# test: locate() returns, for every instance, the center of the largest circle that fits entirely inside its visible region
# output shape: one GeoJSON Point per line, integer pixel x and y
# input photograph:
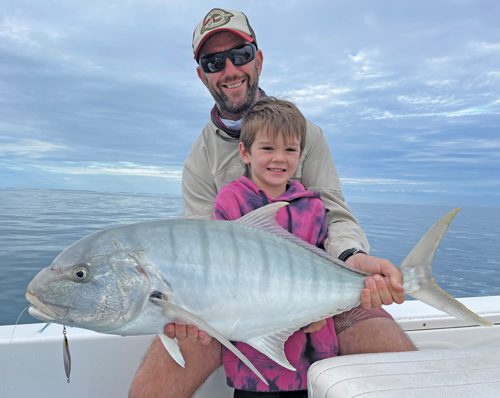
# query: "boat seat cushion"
{"type": "Point", "coordinates": [434, 373]}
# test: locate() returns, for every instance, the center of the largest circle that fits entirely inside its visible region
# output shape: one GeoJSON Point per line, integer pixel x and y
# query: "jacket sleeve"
{"type": "Point", "coordinates": [198, 186]}
{"type": "Point", "coordinates": [319, 174]}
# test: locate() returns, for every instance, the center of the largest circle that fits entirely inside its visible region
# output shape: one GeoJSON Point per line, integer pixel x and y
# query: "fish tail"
{"type": "Point", "coordinates": [419, 281]}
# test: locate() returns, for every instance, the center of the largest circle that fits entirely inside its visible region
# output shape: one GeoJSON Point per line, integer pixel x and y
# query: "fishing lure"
{"type": "Point", "coordinates": [66, 356]}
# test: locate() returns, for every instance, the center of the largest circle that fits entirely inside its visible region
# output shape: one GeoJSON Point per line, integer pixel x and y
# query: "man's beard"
{"type": "Point", "coordinates": [227, 107]}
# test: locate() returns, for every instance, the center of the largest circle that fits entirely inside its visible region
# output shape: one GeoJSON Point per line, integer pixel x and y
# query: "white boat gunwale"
{"type": "Point", "coordinates": [103, 365]}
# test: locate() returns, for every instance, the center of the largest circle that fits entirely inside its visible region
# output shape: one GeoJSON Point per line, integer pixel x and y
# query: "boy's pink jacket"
{"type": "Point", "coordinates": [305, 217]}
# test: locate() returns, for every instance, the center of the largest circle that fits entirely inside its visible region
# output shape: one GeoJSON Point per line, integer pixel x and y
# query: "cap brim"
{"type": "Point", "coordinates": [248, 38]}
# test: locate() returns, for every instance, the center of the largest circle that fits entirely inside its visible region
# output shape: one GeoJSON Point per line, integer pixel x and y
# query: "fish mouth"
{"type": "Point", "coordinates": [45, 312]}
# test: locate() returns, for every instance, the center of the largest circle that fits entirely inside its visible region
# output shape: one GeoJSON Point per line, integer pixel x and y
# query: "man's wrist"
{"type": "Point", "coordinates": [346, 254]}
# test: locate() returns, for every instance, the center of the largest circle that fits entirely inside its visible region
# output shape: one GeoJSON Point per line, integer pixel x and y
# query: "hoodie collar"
{"type": "Point", "coordinates": [294, 190]}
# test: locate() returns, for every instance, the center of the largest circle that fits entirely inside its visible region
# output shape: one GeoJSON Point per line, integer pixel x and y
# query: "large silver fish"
{"type": "Point", "coordinates": [247, 280]}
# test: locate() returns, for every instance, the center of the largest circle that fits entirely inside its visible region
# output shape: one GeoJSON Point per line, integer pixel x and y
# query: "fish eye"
{"type": "Point", "coordinates": [80, 273]}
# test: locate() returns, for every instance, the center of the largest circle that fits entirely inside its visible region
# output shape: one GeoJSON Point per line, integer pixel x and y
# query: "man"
{"type": "Point", "coordinates": [229, 65]}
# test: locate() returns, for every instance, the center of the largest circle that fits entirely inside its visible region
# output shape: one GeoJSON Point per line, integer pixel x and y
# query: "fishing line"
{"type": "Point", "coordinates": [11, 340]}
{"type": "Point", "coordinates": [17, 322]}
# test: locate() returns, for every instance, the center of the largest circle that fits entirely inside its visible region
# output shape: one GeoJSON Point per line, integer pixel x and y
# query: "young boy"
{"type": "Point", "coordinates": [272, 139]}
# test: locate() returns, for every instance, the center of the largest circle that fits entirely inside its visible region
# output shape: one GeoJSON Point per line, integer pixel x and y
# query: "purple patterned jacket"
{"type": "Point", "coordinates": [305, 217]}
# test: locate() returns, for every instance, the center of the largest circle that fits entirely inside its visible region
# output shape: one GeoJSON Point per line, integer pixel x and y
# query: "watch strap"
{"type": "Point", "coordinates": [348, 253]}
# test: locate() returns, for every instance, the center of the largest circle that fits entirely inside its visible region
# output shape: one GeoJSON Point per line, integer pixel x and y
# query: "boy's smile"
{"type": "Point", "coordinates": [272, 162]}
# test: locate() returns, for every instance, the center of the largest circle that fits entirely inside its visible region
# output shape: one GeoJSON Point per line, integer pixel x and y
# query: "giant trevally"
{"type": "Point", "coordinates": [246, 280]}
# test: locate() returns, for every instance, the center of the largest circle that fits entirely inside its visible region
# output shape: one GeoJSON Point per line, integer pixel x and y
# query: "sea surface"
{"type": "Point", "coordinates": [35, 225]}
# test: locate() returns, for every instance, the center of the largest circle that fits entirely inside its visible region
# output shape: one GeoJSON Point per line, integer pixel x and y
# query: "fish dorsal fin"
{"type": "Point", "coordinates": [273, 346]}
{"type": "Point", "coordinates": [264, 218]}
{"type": "Point", "coordinates": [180, 314]}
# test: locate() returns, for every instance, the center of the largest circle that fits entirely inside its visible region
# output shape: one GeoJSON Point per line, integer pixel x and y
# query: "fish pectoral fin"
{"type": "Point", "coordinates": [173, 349]}
{"type": "Point", "coordinates": [178, 313]}
{"type": "Point", "coordinates": [273, 346]}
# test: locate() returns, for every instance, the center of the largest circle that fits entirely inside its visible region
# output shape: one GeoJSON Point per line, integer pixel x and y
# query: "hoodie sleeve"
{"type": "Point", "coordinates": [226, 206]}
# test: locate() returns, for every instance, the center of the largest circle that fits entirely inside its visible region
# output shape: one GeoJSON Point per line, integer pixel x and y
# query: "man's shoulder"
{"type": "Point", "coordinates": [203, 145]}
{"type": "Point", "coordinates": [313, 130]}
{"type": "Point", "coordinates": [213, 139]}
{"type": "Point", "coordinates": [214, 156]}
{"type": "Point", "coordinates": [315, 139]}
{"type": "Point", "coordinates": [206, 135]}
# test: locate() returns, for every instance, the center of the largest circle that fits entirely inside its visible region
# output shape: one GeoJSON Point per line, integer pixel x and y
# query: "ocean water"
{"type": "Point", "coordinates": [35, 225]}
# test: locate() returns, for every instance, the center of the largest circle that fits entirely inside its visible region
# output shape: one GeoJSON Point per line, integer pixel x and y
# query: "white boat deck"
{"type": "Point", "coordinates": [102, 366]}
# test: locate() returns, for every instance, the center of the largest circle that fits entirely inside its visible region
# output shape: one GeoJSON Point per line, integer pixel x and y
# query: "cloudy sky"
{"type": "Point", "coordinates": [103, 95]}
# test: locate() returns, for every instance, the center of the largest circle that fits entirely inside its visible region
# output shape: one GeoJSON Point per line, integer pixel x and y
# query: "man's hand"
{"type": "Point", "coordinates": [384, 286]}
{"type": "Point", "coordinates": [187, 334]}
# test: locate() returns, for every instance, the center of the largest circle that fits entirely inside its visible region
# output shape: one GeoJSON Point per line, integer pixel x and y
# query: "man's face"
{"type": "Point", "coordinates": [235, 88]}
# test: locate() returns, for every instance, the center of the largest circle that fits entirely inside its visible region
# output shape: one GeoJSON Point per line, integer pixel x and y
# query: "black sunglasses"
{"type": "Point", "coordinates": [216, 62]}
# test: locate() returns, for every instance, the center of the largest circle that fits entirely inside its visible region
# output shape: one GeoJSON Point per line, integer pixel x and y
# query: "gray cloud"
{"type": "Point", "coordinates": [93, 94]}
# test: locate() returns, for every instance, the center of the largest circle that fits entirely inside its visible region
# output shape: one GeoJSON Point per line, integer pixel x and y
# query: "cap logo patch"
{"type": "Point", "coordinates": [215, 19]}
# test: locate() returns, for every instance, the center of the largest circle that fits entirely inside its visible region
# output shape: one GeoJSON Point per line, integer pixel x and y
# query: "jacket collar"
{"type": "Point", "coordinates": [232, 135]}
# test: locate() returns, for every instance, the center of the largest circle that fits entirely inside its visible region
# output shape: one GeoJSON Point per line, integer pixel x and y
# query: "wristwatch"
{"type": "Point", "coordinates": [348, 253]}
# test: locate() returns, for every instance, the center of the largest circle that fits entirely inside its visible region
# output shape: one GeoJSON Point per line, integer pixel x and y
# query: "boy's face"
{"type": "Point", "coordinates": [272, 162]}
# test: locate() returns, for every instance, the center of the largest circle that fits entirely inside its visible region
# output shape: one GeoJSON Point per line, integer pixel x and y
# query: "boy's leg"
{"type": "Point", "coordinates": [159, 376]}
{"type": "Point", "coordinates": [363, 331]}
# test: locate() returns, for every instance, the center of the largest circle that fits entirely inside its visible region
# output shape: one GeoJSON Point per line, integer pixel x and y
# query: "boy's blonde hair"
{"type": "Point", "coordinates": [275, 117]}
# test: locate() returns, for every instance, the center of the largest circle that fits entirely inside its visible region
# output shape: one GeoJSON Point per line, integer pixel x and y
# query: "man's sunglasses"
{"type": "Point", "coordinates": [216, 62]}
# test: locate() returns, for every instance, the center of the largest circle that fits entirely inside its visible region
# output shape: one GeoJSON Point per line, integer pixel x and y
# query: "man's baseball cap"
{"type": "Point", "coordinates": [218, 20]}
